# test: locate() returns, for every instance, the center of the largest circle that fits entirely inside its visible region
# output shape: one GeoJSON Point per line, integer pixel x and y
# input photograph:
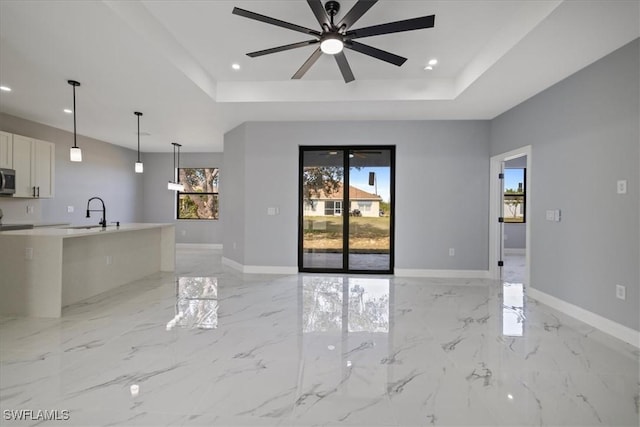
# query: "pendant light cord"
{"type": "Point", "coordinates": [175, 144]}
{"type": "Point", "coordinates": [74, 117]}
{"type": "Point", "coordinates": [138, 114]}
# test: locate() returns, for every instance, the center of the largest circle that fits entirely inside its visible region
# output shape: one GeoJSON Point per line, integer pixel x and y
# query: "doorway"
{"type": "Point", "coordinates": [510, 205]}
{"type": "Point", "coordinates": [346, 202]}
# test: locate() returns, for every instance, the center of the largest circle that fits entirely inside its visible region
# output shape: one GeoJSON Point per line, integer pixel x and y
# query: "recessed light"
{"type": "Point", "coordinates": [5, 88]}
{"type": "Point", "coordinates": [428, 67]}
{"type": "Point", "coordinates": [68, 111]}
{"type": "Point", "coordinates": [433, 61]}
{"type": "Point", "coordinates": [235, 66]}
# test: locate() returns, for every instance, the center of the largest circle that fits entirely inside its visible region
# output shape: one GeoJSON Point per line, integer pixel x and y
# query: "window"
{"type": "Point", "coordinates": [333, 208]}
{"type": "Point", "coordinates": [364, 206]}
{"type": "Point", "coordinates": [515, 197]}
{"type": "Point", "coordinates": [199, 200]}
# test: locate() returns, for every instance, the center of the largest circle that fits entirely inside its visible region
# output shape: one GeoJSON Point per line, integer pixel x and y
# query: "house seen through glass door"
{"type": "Point", "coordinates": [346, 209]}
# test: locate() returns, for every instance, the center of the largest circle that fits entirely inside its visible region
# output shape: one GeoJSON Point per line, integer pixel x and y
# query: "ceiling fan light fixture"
{"type": "Point", "coordinates": [331, 43]}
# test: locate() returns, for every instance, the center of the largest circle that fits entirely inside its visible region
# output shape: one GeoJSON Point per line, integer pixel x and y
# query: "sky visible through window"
{"type": "Point", "coordinates": [512, 177]}
{"type": "Point", "coordinates": [360, 179]}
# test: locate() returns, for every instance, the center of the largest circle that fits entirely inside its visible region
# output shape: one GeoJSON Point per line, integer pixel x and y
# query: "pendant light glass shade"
{"type": "Point", "coordinates": [139, 166]}
{"type": "Point", "coordinates": [175, 186]}
{"type": "Point", "coordinates": [75, 154]}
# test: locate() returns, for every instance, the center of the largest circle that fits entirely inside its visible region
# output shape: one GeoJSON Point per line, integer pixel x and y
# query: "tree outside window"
{"type": "Point", "coordinates": [199, 200]}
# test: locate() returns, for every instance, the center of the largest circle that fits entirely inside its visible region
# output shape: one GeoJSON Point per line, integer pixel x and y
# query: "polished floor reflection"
{"type": "Point", "coordinates": [208, 346]}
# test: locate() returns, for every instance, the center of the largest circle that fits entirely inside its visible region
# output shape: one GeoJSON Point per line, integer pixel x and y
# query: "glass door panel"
{"type": "Point", "coordinates": [370, 210]}
{"type": "Point", "coordinates": [322, 180]}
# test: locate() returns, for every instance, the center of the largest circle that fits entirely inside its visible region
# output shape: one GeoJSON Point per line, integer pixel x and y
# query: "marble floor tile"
{"type": "Point", "coordinates": [208, 346]}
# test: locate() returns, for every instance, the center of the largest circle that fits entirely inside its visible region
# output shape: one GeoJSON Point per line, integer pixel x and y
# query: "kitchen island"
{"type": "Point", "coordinates": [45, 269]}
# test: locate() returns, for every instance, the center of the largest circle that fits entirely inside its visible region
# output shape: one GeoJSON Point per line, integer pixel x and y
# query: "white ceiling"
{"type": "Point", "coordinates": [171, 60]}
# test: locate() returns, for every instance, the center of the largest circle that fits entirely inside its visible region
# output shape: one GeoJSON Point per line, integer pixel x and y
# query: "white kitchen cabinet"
{"type": "Point", "coordinates": [34, 162]}
{"type": "Point", "coordinates": [6, 150]}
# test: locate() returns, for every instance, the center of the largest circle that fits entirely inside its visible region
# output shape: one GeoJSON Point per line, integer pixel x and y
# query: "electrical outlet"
{"type": "Point", "coordinates": [29, 209]}
{"type": "Point", "coordinates": [621, 292]}
{"type": "Point", "coordinates": [28, 253]}
{"type": "Point", "coordinates": [109, 260]}
{"type": "Point", "coordinates": [452, 251]}
{"type": "Point", "coordinates": [622, 186]}
{"type": "Point", "coordinates": [70, 209]}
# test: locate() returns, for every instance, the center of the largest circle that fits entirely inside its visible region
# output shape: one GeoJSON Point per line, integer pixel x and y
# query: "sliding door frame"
{"type": "Point", "coordinates": [346, 149]}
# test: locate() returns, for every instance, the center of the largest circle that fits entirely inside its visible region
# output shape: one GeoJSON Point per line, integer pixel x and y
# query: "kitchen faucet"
{"type": "Point", "coordinates": [103, 221]}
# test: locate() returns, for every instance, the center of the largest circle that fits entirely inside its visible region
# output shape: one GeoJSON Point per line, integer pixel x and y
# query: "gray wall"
{"type": "Point", "coordinates": [442, 187]}
{"type": "Point", "coordinates": [515, 236]}
{"type": "Point", "coordinates": [106, 171]}
{"type": "Point", "coordinates": [232, 202]}
{"type": "Point", "coordinates": [584, 133]}
{"type": "Point", "coordinates": [159, 203]}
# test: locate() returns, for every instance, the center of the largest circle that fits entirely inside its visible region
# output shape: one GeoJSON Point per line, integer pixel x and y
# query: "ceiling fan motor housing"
{"type": "Point", "coordinates": [332, 7]}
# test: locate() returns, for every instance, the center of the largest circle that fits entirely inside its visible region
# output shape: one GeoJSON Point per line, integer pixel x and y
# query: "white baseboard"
{"type": "Point", "coordinates": [610, 327]}
{"type": "Point", "coordinates": [231, 263]}
{"type": "Point", "coordinates": [440, 274]}
{"type": "Point", "coordinates": [259, 269]}
{"type": "Point", "coordinates": [515, 251]}
{"type": "Point", "coordinates": [269, 269]}
{"type": "Point", "coordinates": [198, 245]}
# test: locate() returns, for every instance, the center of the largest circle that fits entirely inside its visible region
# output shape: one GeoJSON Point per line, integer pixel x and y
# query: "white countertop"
{"type": "Point", "coordinates": [81, 231]}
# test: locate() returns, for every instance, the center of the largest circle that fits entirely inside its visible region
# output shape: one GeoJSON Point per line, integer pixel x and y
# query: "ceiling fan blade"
{"type": "Point", "coordinates": [281, 48]}
{"type": "Point", "coordinates": [393, 27]}
{"type": "Point", "coordinates": [383, 55]}
{"type": "Point", "coordinates": [274, 21]}
{"type": "Point", "coordinates": [345, 69]}
{"type": "Point", "coordinates": [307, 64]}
{"type": "Point", "coordinates": [356, 12]}
{"type": "Point", "coordinates": [321, 14]}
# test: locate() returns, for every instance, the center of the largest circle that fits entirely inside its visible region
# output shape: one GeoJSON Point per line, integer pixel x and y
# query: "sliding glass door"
{"type": "Point", "coordinates": [346, 209]}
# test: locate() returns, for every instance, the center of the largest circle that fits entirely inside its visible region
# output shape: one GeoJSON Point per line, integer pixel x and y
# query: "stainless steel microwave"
{"type": "Point", "coordinates": [7, 182]}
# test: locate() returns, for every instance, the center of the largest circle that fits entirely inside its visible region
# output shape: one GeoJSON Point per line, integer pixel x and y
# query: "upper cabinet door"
{"type": "Point", "coordinates": [22, 164]}
{"type": "Point", "coordinates": [42, 165]}
{"type": "Point", "coordinates": [6, 150]}
{"type": "Point", "coordinates": [34, 162]}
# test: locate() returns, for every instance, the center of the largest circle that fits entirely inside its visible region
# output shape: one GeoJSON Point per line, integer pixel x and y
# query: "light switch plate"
{"type": "Point", "coordinates": [550, 215]}
{"type": "Point", "coordinates": [272, 211]}
{"type": "Point", "coordinates": [70, 209]}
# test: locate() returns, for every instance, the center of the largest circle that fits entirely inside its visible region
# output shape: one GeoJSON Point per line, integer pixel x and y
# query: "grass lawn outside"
{"type": "Point", "coordinates": [366, 234]}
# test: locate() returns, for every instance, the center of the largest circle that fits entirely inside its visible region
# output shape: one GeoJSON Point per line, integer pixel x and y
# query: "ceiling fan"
{"type": "Point", "coordinates": [335, 36]}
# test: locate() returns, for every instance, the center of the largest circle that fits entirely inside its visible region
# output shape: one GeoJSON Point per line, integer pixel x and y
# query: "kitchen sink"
{"type": "Point", "coordinates": [84, 227]}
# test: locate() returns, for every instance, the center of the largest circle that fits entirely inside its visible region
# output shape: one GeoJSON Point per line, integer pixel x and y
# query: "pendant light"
{"type": "Point", "coordinates": [175, 186]}
{"type": "Point", "coordinates": [139, 165]}
{"type": "Point", "coordinates": [75, 155]}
